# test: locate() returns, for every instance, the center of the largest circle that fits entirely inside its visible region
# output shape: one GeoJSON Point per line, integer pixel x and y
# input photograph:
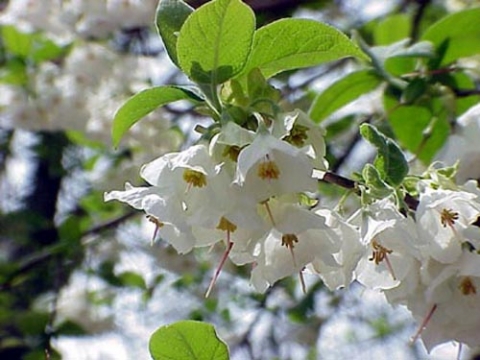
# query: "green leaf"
{"type": "Point", "coordinates": [144, 103]}
{"type": "Point", "coordinates": [30, 45]}
{"type": "Point", "coordinates": [459, 80]}
{"type": "Point", "coordinates": [420, 129]}
{"type": "Point", "coordinates": [376, 186]}
{"type": "Point", "coordinates": [171, 14]}
{"type": "Point", "coordinates": [343, 92]}
{"type": "Point", "coordinates": [390, 160]}
{"type": "Point", "coordinates": [187, 340]}
{"type": "Point", "coordinates": [456, 35]}
{"type": "Point", "coordinates": [289, 44]}
{"type": "Point", "coordinates": [132, 279]}
{"type": "Point", "coordinates": [392, 29]}
{"type": "Point", "coordinates": [14, 72]}
{"type": "Point", "coordinates": [16, 42]}
{"type": "Point", "coordinates": [215, 41]}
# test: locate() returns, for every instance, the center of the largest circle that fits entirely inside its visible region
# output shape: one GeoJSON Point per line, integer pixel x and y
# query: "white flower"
{"type": "Point", "coordinates": [442, 218]}
{"type": "Point", "coordinates": [297, 238]}
{"type": "Point", "coordinates": [299, 130]}
{"type": "Point", "coordinates": [270, 167]}
{"type": "Point", "coordinates": [462, 146]}
{"type": "Point", "coordinates": [392, 246]}
{"type": "Point", "coordinates": [449, 308]}
{"type": "Point", "coordinates": [167, 216]}
{"type": "Point", "coordinates": [340, 275]}
{"type": "Point", "coordinates": [180, 194]}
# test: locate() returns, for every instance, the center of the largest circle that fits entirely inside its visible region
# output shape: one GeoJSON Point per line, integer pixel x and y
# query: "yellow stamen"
{"type": "Point", "coordinates": [194, 178]}
{"type": "Point", "coordinates": [467, 287]}
{"type": "Point", "coordinates": [448, 217]}
{"type": "Point", "coordinates": [226, 225]}
{"type": "Point", "coordinates": [268, 170]}
{"type": "Point", "coordinates": [381, 253]}
{"type": "Point", "coordinates": [289, 241]}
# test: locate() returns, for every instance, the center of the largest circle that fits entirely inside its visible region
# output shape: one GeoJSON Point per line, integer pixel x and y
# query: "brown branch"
{"type": "Point", "coordinates": [417, 19]}
{"type": "Point", "coordinates": [466, 92]}
{"type": "Point", "coordinates": [110, 224]}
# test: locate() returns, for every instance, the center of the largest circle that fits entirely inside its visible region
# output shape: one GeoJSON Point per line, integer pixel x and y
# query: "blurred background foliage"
{"type": "Point", "coordinates": [79, 277]}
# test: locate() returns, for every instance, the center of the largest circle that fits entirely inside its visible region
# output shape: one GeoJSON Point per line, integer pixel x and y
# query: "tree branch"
{"type": "Point", "coordinates": [466, 92]}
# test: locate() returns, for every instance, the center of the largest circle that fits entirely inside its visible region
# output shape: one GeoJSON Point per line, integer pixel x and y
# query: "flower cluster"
{"type": "Point", "coordinates": [242, 190]}
{"type": "Point", "coordinates": [431, 265]}
{"type": "Point", "coordinates": [247, 190]}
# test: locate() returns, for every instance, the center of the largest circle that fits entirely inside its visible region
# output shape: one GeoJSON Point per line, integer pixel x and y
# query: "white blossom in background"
{"type": "Point", "coordinates": [462, 146]}
{"type": "Point", "coordinates": [67, 20]}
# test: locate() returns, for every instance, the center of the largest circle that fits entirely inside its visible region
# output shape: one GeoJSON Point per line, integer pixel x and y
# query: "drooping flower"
{"type": "Point", "coordinates": [271, 167]}
{"type": "Point", "coordinates": [392, 246]}
{"type": "Point", "coordinates": [341, 274]}
{"type": "Point", "coordinates": [442, 217]}
{"type": "Point", "coordinates": [448, 308]}
{"type": "Point", "coordinates": [297, 238]}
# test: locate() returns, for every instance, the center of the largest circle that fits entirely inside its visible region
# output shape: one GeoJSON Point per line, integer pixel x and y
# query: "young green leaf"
{"type": "Point", "coordinates": [289, 44]}
{"type": "Point", "coordinates": [390, 161]}
{"type": "Point", "coordinates": [144, 103]}
{"type": "Point", "coordinates": [456, 36]}
{"type": "Point", "coordinates": [187, 340]}
{"type": "Point", "coordinates": [215, 40]}
{"type": "Point", "coordinates": [343, 92]}
{"type": "Point", "coordinates": [171, 14]}
{"type": "Point", "coordinates": [376, 186]}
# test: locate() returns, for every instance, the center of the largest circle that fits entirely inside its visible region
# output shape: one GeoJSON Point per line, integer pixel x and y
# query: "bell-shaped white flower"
{"type": "Point", "coordinates": [299, 130]}
{"type": "Point", "coordinates": [449, 308]}
{"type": "Point", "coordinates": [340, 275]}
{"type": "Point", "coordinates": [167, 217]}
{"type": "Point", "coordinates": [271, 167]}
{"type": "Point", "coordinates": [442, 217]}
{"type": "Point", "coordinates": [392, 246]}
{"type": "Point", "coordinates": [297, 238]}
